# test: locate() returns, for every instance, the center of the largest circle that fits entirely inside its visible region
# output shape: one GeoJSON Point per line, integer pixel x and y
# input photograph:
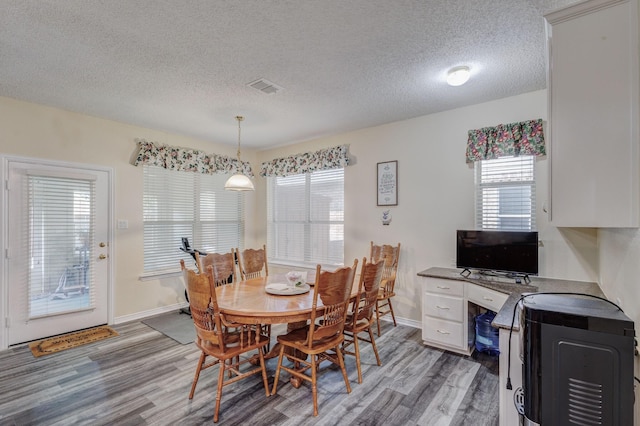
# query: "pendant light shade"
{"type": "Point", "coordinates": [239, 182]}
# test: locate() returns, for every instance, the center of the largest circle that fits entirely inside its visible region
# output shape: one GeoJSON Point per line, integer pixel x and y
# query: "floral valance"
{"type": "Point", "coordinates": [188, 160]}
{"type": "Point", "coordinates": [325, 159]}
{"type": "Point", "coordinates": [504, 140]}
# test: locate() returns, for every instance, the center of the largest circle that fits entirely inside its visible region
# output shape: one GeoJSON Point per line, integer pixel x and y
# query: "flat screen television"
{"type": "Point", "coordinates": [514, 252]}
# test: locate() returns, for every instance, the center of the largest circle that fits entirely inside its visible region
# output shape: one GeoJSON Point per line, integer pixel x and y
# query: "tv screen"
{"type": "Point", "coordinates": [500, 251]}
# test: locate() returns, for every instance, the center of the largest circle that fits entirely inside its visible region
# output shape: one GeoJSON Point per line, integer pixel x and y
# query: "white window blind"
{"type": "Point", "coordinates": [505, 193]}
{"type": "Point", "coordinates": [305, 218]}
{"type": "Point", "coordinates": [193, 205]}
{"type": "Point", "coordinates": [61, 223]}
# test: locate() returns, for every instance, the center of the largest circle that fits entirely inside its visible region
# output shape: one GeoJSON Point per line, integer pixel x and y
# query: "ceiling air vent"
{"type": "Point", "coordinates": [265, 86]}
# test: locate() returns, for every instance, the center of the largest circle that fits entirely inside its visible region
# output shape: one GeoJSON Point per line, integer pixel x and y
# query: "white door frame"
{"type": "Point", "coordinates": [4, 221]}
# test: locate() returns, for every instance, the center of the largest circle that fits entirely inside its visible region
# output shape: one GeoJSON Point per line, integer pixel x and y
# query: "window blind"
{"type": "Point", "coordinates": [192, 205]}
{"type": "Point", "coordinates": [305, 218]}
{"type": "Point", "coordinates": [505, 193]}
{"type": "Point", "coordinates": [61, 223]}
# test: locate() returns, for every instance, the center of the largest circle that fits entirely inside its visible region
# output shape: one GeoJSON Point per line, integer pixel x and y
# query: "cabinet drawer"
{"type": "Point", "coordinates": [445, 307]}
{"type": "Point", "coordinates": [485, 297]}
{"type": "Point", "coordinates": [449, 287]}
{"type": "Point", "coordinates": [442, 331]}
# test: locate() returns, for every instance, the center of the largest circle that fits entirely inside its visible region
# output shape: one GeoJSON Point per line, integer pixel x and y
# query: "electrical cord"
{"type": "Point", "coordinates": [513, 320]}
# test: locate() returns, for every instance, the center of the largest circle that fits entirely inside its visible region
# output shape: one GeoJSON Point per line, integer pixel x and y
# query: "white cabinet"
{"type": "Point", "coordinates": [508, 413]}
{"type": "Point", "coordinates": [593, 114]}
{"type": "Point", "coordinates": [485, 297]}
{"type": "Point", "coordinates": [444, 315]}
{"type": "Point", "coordinates": [448, 311]}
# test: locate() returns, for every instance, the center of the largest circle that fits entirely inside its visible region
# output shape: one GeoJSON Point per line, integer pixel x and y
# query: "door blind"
{"type": "Point", "coordinates": [60, 228]}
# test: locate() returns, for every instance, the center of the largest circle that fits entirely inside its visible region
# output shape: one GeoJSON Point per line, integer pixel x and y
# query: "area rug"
{"type": "Point", "coordinates": [71, 340]}
{"type": "Point", "coordinates": [175, 325]}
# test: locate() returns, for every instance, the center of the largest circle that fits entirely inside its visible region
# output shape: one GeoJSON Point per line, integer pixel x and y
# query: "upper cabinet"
{"type": "Point", "coordinates": [593, 114]}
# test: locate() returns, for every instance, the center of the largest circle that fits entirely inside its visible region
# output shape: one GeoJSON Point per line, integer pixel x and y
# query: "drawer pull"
{"type": "Point", "coordinates": [446, 308]}
{"type": "Point", "coordinates": [442, 331]}
{"type": "Point", "coordinates": [444, 288]}
{"type": "Point", "coordinates": [487, 298]}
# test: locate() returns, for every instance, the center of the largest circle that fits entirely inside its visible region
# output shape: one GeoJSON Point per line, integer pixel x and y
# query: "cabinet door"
{"type": "Point", "coordinates": [485, 297]}
{"type": "Point", "coordinates": [593, 114]}
{"type": "Point", "coordinates": [448, 333]}
{"type": "Point", "coordinates": [445, 307]}
{"type": "Point", "coordinates": [448, 287]}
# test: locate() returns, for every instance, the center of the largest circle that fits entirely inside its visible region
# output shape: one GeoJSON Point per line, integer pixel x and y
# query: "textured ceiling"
{"type": "Point", "coordinates": [183, 66]}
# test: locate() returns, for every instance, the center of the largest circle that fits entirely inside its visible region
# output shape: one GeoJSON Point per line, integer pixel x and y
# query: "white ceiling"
{"type": "Point", "coordinates": [183, 66]}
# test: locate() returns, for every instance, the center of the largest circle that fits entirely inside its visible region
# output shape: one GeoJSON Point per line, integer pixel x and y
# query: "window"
{"type": "Point", "coordinates": [505, 193]}
{"type": "Point", "coordinates": [193, 205]}
{"type": "Point", "coordinates": [305, 218]}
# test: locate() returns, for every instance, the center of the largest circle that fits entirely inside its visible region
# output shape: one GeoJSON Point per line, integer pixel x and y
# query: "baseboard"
{"type": "Point", "coordinates": [177, 306]}
{"type": "Point", "coordinates": [152, 312]}
{"type": "Point", "coordinates": [403, 321]}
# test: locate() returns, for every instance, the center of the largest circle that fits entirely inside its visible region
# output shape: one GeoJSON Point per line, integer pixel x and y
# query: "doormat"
{"type": "Point", "coordinates": [71, 340]}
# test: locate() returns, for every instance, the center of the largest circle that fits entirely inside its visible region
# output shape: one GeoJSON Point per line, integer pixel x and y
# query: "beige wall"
{"type": "Point", "coordinates": [435, 191]}
{"type": "Point", "coordinates": [436, 194]}
{"type": "Point", "coordinates": [31, 130]}
{"type": "Point", "coordinates": [620, 277]}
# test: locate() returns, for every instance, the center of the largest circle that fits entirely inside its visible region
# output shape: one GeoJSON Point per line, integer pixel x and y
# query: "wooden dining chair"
{"type": "Point", "coordinates": [223, 266]}
{"type": "Point", "coordinates": [253, 263]}
{"type": "Point", "coordinates": [331, 295]}
{"type": "Point", "coordinates": [214, 340]}
{"type": "Point", "coordinates": [360, 316]}
{"type": "Point", "coordinates": [391, 256]}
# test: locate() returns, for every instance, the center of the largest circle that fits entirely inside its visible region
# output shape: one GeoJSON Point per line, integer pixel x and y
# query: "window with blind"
{"type": "Point", "coordinates": [505, 193]}
{"type": "Point", "coordinates": [193, 205]}
{"type": "Point", "coordinates": [305, 218]}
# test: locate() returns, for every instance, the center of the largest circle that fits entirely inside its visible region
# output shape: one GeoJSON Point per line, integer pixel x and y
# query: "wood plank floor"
{"type": "Point", "coordinates": [143, 377]}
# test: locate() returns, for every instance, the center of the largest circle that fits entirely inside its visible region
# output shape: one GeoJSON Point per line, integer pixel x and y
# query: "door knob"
{"type": "Point", "coordinates": [102, 244]}
{"type": "Point", "coordinates": [102, 256]}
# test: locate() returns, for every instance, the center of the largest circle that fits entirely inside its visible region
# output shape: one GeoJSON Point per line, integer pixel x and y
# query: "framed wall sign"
{"type": "Point", "coordinates": [388, 183]}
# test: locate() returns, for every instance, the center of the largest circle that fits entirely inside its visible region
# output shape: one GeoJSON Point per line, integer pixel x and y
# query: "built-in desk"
{"type": "Point", "coordinates": [450, 301]}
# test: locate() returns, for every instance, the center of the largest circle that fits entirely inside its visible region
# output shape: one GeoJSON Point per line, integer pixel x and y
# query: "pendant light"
{"type": "Point", "coordinates": [239, 182]}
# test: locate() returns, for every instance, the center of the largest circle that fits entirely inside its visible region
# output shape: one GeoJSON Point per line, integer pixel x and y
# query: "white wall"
{"type": "Point", "coordinates": [436, 194]}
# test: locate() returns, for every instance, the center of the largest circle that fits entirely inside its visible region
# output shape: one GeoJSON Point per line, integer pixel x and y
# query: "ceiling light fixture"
{"type": "Point", "coordinates": [458, 76]}
{"type": "Point", "coordinates": [239, 182]}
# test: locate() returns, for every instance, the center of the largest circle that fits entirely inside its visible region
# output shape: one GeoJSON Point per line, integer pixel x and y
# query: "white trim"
{"type": "Point", "coordinates": [403, 321]}
{"type": "Point", "coordinates": [138, 316]}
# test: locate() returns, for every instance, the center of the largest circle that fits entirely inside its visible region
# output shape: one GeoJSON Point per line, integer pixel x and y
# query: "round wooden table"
{"type": "Point", "coordinates": [247, 302]}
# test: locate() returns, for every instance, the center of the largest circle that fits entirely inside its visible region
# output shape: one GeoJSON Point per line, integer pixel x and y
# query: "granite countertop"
{"type": "Point", "coordinates": [504, 317]}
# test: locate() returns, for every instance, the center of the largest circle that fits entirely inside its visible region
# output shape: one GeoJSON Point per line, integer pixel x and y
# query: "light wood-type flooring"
{"type": "Point", "coordinates": [143, 377]}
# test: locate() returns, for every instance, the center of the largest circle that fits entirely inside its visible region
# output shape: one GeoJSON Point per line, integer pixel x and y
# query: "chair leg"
{"type": "Point", "coordinates": [378, 316]}
{"type": "Point", "coordinates": [277, 376]}
{"type": "Point", "coordinates": [392, 314]}
{"type": "Point", "coordinates": [356, 347]}
{"type": "Point", "coordinates": [314, 384]}
{"type": "Point", "coordinates": [203, 356]}
{"type": "Point", "coordinates": [221, 365]}
{"type": "Point", "coordinates": [343, 368]}
{"type": "Point", "coordinates": [264, 373]}
{"type": "Point", "coordinates": [373, 343]}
